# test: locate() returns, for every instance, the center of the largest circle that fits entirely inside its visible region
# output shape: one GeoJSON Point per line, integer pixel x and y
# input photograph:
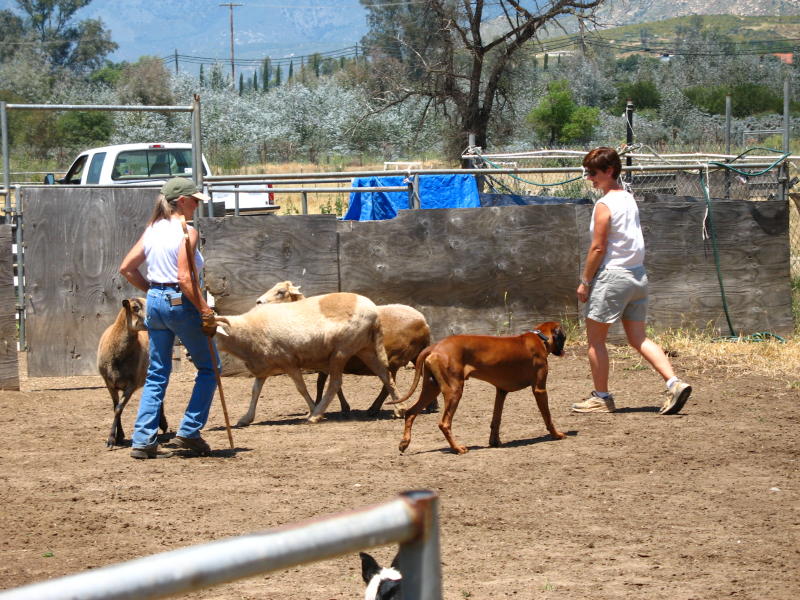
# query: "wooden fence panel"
{"type": "Point", "coordinates": [245, 256]}
{"type": "Point", "coordinates": [484, 270]}
{"type": "Point", "coordinates": [9, 365]}
{"type": "Point", "coordinates": [75, 241]}
{"type": "Point", "coordinates": [488, 271]}
{"type": "Point", "coordinates": [752, 242]}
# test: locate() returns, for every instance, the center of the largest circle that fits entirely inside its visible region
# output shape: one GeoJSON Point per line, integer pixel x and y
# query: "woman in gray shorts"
{"type": "Point", "coordinates": [614, 286]}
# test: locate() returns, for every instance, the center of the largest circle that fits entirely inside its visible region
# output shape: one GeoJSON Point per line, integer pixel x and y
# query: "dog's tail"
{"type": "Point", "coordinates": [418, 366]}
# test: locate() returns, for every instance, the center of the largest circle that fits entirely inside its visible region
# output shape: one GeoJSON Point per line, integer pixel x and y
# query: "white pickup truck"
{"type": "Point", "coordinates": [127, 164]}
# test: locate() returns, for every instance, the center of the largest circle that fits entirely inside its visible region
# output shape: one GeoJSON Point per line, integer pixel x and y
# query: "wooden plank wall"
{"type": "Point", "coordinates": [485, 270]}
{"type": "Point", "coordinates": [490, 270]}
{"type": "Point", "coordinates": [9, 365]}
{"type": "Point", "coordinates": [75, 241]}
{"type": "Point", "coordinates": [753, 246]}
{"type": "Point", "coordinates": [245, 256]}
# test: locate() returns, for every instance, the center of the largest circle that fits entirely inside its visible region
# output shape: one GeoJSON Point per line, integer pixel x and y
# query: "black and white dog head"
{"type": "Point", "coordinates": [383, 583]}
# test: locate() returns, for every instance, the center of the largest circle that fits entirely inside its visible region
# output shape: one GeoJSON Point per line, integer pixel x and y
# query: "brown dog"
{"type": "Point", "coordinates": [508, 363]}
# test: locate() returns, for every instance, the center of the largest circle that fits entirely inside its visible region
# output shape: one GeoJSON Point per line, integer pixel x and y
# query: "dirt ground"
{"type": "Point", "coordinates": [699, 505]}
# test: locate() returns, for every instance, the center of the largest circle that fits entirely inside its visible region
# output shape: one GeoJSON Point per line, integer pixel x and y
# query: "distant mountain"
{"type": "Point", "coordinates": [615, 13]}
{"type": "Point", "coordinates": [626, 12]}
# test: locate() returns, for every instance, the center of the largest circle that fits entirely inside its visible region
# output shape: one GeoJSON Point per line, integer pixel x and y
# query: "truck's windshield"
{"type": "Point", "coordinates": [155, 163]}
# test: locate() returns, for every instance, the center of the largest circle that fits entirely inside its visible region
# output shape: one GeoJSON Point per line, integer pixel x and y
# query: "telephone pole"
{"type": "Point", "coordinates": [231, 6]}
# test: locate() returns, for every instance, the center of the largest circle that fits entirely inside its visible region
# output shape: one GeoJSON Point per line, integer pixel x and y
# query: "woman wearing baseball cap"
{"type": "Point", "coordinates": [175, 307]}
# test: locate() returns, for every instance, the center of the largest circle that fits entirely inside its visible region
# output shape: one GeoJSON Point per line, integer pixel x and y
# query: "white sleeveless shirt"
{"type": "Point", "coordinates": [625, 247]}
{"type": "Point", "coordinates": [162, 240]}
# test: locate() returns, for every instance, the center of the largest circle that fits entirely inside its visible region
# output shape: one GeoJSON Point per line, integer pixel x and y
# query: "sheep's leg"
{"type": "Point", "coordinates": [381, 370]}
{"type": "Point", "coordinates": [334, 385]}
{"type": "Point", "coordinates": [117, 436]}
{"type": "Point", "coordinates": [297, 378]}
{"type": "Point", "coordinates": [162, 419]}
{"type": "Point", "coordinates": [376, 405]}
{"type": "Point", "coordinates": [248, 417]}
{"type": "Point", "coordinates": [321, 379]}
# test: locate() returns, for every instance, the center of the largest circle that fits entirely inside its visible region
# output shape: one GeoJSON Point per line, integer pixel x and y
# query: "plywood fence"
{"type": "Point", "coordinates": [9, 369]}
{"type": "Point", "coordinates": [484, 270]}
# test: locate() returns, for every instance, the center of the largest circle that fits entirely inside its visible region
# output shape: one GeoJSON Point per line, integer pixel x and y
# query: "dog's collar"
{"type": "Point", "coordinates": [540, 334]}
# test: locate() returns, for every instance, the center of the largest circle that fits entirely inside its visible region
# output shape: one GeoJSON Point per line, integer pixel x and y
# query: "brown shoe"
{"type": "Point", "coordinates": [151, 452]}
{"type": "Point", "coordinates": [196, 444]}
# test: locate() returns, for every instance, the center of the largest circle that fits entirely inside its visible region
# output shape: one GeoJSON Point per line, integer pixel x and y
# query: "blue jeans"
{"type": "Point", "coordinates": [164, 321]}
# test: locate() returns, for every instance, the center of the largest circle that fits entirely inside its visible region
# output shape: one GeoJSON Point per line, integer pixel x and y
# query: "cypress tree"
{"type": "Point", "coordinates": [266, 73]}
{"type": "Point", "coordinates": [277, 76]}
{"type": "Point", "coordinates": [291, 71]}
{"type": "Point", "coordinates": [202, 78]}
{"type": "Point", "coordinates": [255, 81]}
{"type": "Point", "coordinates": [241, 83]}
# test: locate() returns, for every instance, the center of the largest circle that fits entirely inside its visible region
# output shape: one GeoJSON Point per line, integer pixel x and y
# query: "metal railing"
{"type": "Point", "coordinates": [194, 109]}
{"type": "Point", "coordinates": [411, 520]}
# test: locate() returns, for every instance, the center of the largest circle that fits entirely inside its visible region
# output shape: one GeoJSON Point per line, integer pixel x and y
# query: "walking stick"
{"type": "Point", "coordinates": [196, 285]}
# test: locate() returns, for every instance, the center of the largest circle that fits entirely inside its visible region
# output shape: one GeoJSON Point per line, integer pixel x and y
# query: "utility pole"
{"type": "Point", "coordinates": [231, 6]}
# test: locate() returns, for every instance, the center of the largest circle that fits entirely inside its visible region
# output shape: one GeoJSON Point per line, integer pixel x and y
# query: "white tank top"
{"type": "Point", "coordinates": [625, 248]}
{"type": "Point", "coordinates": [161, 242]}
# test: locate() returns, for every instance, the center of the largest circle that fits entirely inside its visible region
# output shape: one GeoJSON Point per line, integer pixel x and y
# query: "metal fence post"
{"type": "Point", "coordinates": [304, 202]}
{"type": "Point", "coordinates": [629, 135]}
{"type": "Point", "coordinates": [6, 161]}
{"type": "Point", "coordinates": [23, 344]}
{"type": "Point", "coordinates": [197, 153]}
{"type": "Point", "coordinates": [419, 559]}
{"type": "Point", "coordinates": [728, 113]}
{"type": "Point", "coordinates": [784, 170]}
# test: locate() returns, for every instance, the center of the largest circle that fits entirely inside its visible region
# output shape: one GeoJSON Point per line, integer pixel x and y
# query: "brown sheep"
{"type": "Point", "coordinates": [122, 359]}
{"type": "Point", "coordinates": [405, 334]}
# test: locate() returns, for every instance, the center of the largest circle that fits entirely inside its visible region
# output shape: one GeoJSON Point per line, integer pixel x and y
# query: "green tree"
{"type": "Point", "coordinates": [81, 129]}
{"type": "Point", "coordinates": [147, 81]}
{"type": "Point", "coordinates": [77, 45]}
{"type": "Point", "coordinates": [644, 94]}
{"type": "Point", "coordinates": [291, 71]}
{"type": "Point", "coordinates": [278, 76]}
{"type": "Point", "coordinates": [558, 119]}
{"type": "Point", "coordinates": [746, 99]}
{"type": "Point", "coordinates": [266, 72]}
{"type": "Point", "coordinates": [11, 33]}
{"type": "Point", "coordinates": [438, 51]}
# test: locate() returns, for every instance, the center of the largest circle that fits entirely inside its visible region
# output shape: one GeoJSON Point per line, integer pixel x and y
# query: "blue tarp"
{"type": "Point", "coordinates": [435, 191]}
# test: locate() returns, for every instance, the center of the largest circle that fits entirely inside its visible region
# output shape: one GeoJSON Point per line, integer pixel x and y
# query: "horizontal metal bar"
{"type": "Point", "coordinates": [301, 176]}
{"type": "Point", "coordinates": [124, 107]}
{"type": "Point", "coordinates": [223, 180]}
{"type": "Point", "coordinates": [334, 190]}
{"type": "Point", "coordinates": [197, 567]}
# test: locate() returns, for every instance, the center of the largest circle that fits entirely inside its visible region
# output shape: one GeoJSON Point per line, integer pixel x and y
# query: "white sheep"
{"type": "Point", "coordinates": [319, 334]}
{"type": "Point", "coordinates": [122, 359]}
{"type": "Point", "coordinates": [405, 335]}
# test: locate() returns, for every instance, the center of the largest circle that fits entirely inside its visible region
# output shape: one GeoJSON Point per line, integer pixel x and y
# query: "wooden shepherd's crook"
{"type": "Point", "coordinates": [198, 291]}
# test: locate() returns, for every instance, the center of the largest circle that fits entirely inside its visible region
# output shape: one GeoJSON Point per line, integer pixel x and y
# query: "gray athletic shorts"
{"type": "Point", "coordinates": [618, 293]}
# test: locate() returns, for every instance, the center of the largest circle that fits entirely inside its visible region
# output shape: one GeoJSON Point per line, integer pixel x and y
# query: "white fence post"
{"type": "Point", "coordinates": [407, 520]}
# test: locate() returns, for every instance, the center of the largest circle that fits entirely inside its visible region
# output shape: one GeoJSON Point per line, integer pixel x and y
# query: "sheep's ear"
{"type": "Point", "coordinates": [396, 561]}
{"type": "Point", "coordinates": [221, 331]}
{"type": "Point", "coordinates": [295, 289]}
{"type": "Point", "coordinates": [369, 567]}
{"type": "Point", "coordinates": [127, 304]}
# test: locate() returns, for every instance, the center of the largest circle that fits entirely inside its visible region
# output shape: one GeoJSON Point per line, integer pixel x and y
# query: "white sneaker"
{"type": "Point", "coordinates": [595, 404]}
{"type": "Point", "coordinates": [677, 395]}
